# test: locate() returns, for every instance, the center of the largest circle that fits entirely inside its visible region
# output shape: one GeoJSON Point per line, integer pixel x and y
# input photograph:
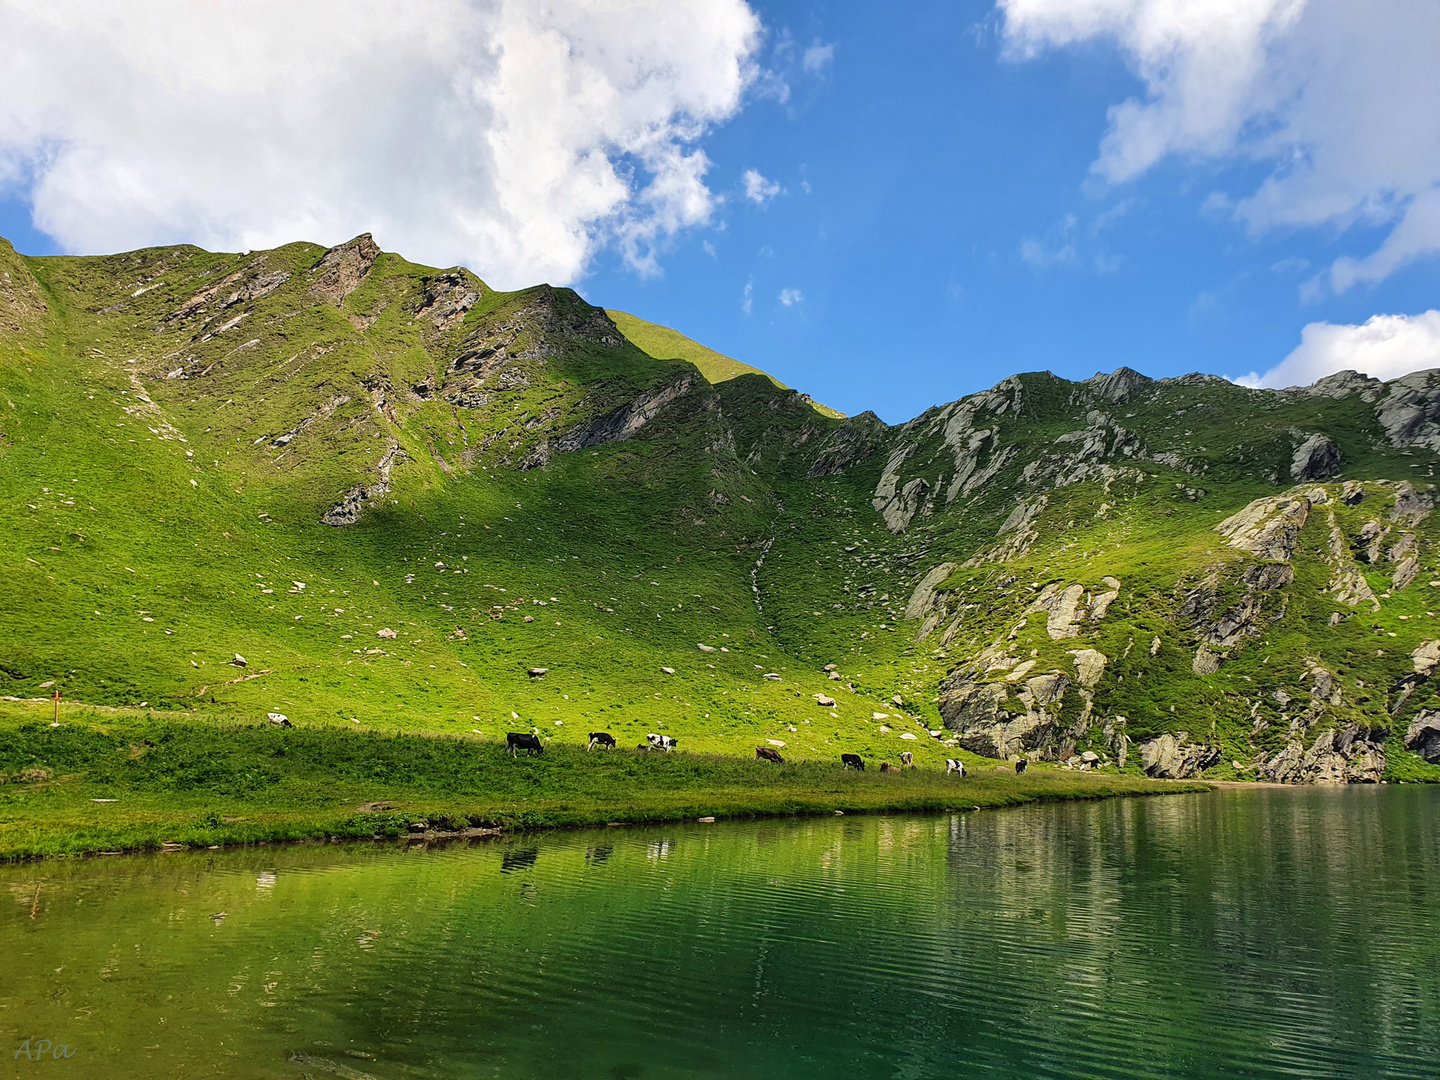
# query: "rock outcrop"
{"type": "Point", "coordinates": [1317, 458]}
{"type": "Point", "coordinates": [1410, 411]}
{"type": "Point", "coordinates": [1348, 755]}
{"type": "Point", "coordinates": [1171, 757]}
{"type": "Point", "coordinates": [1423, 735]}
{"type": "Point", "coordinates": [1068, 609]}
{"type": "Point", "coordinates": [341, 269]}
{"type": "Point", "coordinates": [1267, 527]}
{"type": "Point", "coordinates": [627, 420]}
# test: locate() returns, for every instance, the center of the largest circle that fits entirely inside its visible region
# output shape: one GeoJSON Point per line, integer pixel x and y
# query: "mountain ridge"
{"type": "Point", "coordinates": [1045, 568]}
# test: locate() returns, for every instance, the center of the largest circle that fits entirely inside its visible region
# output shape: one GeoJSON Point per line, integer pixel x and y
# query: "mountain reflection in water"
{"type": "Point", "coordinates": [1249, 933]}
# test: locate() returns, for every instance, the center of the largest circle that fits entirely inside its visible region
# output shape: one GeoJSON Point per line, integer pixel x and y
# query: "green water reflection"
{"type": "Point", "coordinates": [1245, 933]}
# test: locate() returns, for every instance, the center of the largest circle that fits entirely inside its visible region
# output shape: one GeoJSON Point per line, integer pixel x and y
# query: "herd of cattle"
{"type": "Point", "coordinates": [515, 741]}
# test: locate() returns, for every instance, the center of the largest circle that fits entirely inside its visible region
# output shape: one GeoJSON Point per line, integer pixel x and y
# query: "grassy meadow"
{"type": "Point", "coordinates": [117, 781]}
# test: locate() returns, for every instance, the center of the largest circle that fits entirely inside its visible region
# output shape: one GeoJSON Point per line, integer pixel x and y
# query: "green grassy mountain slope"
{"type": "Point", "coordinates": [660, 341]}
{"type": "Point", "coordinates": [371, 494]}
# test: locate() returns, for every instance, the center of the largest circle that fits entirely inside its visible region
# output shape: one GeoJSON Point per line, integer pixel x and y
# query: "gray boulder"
{"type": "Point", "coordinates": [1423, 735]}
{"type": "Point", "coordinates": [1317, 458]}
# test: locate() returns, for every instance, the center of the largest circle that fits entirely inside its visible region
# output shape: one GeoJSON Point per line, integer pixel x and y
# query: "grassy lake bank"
{"type": "Point", "coordinates": [107, 782]}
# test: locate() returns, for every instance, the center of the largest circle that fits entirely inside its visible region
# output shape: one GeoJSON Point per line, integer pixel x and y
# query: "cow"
{"type": "Point", "coordinates": [279, 719]}
{"type": "Point", "coordinates": [769, 753]}
{"type": "Point", "coordinates": [907, 759]}
{"type": "Point", "coordinates": [885, 766]}
{"type": "Point", "coordinates": [1020, 767]}
{"type": "Point", "coordinates": [852, 761]}
{"type": "Point", "coordinates": [954, 765]}
{"type": "Point", "coordinates": [523, 740]}
{"type": "Point", "coordinates": [662, 742]}
{"type": "Point", "coordinates": [601, 738]}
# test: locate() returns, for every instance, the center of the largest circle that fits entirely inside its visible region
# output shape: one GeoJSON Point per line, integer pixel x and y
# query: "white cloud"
{"type": "Point", "coordinates": [518, 138]}
{"type": "Point", "coordinates": [757, 189]}
{"type": "Point", "coordinates": [748, 304]}
{"type": "Point", "coordinates": [1060, 245]}
{"type": "Point", "coordinates": [1384, 347]}
{"type": "Point", "coordinates": [816, 57]}
{"type": "Point", "coordinates": [790, 297]}
{"type": "Point", "coordinates": [1342, 100]}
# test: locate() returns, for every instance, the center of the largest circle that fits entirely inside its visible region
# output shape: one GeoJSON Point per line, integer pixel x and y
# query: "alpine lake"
{"type": "Point", "coordinates": [1240, 933]}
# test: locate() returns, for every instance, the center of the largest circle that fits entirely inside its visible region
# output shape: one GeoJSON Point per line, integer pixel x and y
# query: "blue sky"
{"type": "Point", "coordinates": [940, 206]}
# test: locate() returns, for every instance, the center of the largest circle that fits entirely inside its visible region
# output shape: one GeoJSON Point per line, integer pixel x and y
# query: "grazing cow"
{"type": "Point", "coordinates": [906, 758]}
{"type": "Point", "coordinates": [279, 719]}
{"type": "Point", "coordinates": [601, 738]}
{"type": "Point", "coordinates": [852, 761]}
{"type": "Point", "coordinates": [523, 740]}
{"type": "Point", "coordinates": [885, 766]}
{"type": "Point", "coordinates": [662, 742]}
{"type": "Point", "coordinates": [954, 765]}
{"type": "Point", "coordinates": [1020, 767]}
{"type": "Point", "coordinates": [769, 753]}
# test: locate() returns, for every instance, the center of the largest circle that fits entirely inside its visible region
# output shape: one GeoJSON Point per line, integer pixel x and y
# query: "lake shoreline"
{"type": "Point", "coordinates": [73, 839]}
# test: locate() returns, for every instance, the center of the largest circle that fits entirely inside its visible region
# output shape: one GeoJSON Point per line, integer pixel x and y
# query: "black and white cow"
{"type": "Point", "coordinates": [954, 765]}
{"type": "Point", "coordinates": [523, 740]}
{"type": "Point", "coordinates": [1020, 767]}
{"type": "Point", "coordinates": [852, 761]}
{"type": "Point", "coordinates": [907, 759]}
{"type": "Point", "coordinates": [662, 742]}
{"type": "Point", "coordinates": [601, 738]}
{"type": "Point", "coordinates": [769, 753]}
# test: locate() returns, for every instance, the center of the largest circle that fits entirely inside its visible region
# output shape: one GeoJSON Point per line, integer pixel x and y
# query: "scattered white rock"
{"type": "Point", "coordinates": [825, 700]}
{"type": "Point", "coordinates": [668, 670]}
{"type": "Point", "coordinates": [775, 742]}
{"type": "Point", "coordinates": [908, 735]}
{"type": "Point", "coordinates": [879, 716]}
{"type": "Point", "coordinates": [706, 648]}
{"type": "Point", "coordinates": [386, 633]}
{"type": "Point", "coordinates": [239, 660]}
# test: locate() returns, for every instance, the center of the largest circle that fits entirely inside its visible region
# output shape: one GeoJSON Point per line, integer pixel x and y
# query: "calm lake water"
{"type": "Point", "coordinates": [1240, 934]}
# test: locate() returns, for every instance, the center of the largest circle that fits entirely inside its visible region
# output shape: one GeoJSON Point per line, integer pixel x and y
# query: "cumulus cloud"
{"type": "Point", "coordinates": [757, 189]}
{"type": "Point", "coordinates": [518, 138]}
{"type": "Point", "coordinates": [1384, 347]}
{"type": "Point", "coordinates": [1341, 100]}
{"type": "Point", "coordinates": [790, 297]}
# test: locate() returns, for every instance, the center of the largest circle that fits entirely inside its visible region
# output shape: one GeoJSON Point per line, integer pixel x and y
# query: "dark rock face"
{"type": "Point", "coordinates": [857, 438]}
{"type": "Point", "coordinates": [1423, 735]}
{"type": "Point", "coordinates": [1317, 458]}
{"type": "Point", "coordinates": [627, 420]}
{"type": "Point", "coordinates": [1120, 385]}
{"type": "Point", "coordinates": [1170, 757]}
{"type": "Point", "coordinates": [1410, 411]}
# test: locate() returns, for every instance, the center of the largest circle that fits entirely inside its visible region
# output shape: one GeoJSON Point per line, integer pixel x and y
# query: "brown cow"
{"type": "Point", "coordinates": [769, 753]}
